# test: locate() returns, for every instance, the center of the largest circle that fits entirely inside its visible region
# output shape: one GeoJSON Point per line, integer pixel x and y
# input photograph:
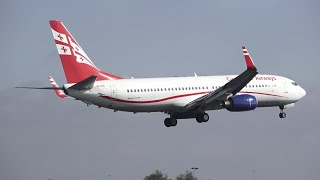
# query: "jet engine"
{"type": "Point", "coordinates": [243, 102]}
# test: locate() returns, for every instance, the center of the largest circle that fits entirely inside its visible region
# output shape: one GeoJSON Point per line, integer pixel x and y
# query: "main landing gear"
{"type": "Point", "coordinates": [203, 117]}
{"type": "Point", "coordinates": [172, 121]}
{"type": "Point", "coordinates": [282, 114]}
{"type": "Point", "coordinates": [168, 122]}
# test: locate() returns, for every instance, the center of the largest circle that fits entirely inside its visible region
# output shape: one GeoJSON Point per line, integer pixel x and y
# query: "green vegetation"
{"type": "Point", "coordinates": [158, 175]}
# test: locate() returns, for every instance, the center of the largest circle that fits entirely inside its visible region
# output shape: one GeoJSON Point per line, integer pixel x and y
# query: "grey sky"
{"type": "Point", "coordinates": [44, 137]}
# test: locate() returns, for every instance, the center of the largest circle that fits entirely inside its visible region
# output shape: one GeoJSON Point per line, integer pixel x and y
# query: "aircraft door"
{"type": "Point", "coordinates": [113, 92]}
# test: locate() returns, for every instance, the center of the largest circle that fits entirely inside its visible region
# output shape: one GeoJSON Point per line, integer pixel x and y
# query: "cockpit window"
{"type": "Point", "coordinates": [294, 83]}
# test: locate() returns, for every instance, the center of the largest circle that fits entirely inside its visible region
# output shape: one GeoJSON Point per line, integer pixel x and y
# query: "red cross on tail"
{"type": "Point", "coordinates": [60, 37]}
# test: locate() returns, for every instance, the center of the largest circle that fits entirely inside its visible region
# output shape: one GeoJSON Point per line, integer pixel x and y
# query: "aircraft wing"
{"type": "Point", "coordinates": [229, 89]}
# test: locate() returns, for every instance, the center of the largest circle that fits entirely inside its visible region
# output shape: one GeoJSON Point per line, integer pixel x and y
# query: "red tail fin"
{"type": "Point", "coordinates": [76, 64]}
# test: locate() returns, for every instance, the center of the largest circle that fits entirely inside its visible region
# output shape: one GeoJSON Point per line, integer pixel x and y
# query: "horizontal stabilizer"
{"type": "Point", "coordinates": [58, 90]}
{"type": "Point", "coordinates": [49, 88]}
{"type": "Point", "coordinates": [85, 84]}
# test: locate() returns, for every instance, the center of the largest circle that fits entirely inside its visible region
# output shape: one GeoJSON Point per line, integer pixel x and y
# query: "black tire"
{"type": "Point", "coordinates": [283, 115]}
{"type": "Point", "coordinates": [199, 118]}
{"type": "Point", "coordinates": [167, 122]}
{"type": "Point", "coordinates": [205, 117]}
{"type": "Point", "coordinates": [173, 121]}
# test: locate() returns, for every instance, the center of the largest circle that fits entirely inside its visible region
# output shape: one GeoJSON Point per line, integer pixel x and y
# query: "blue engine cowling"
{"type": "Point", "coordinates": [243, 102]}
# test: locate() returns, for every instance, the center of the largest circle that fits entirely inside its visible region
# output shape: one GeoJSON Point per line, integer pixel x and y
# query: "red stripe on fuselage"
{"type": "Point", "coordinates": [152, 101]}
{"type": "Point", "coordinates": [266, 94]}
{"type": "Point", "coordinates": [175, 97]}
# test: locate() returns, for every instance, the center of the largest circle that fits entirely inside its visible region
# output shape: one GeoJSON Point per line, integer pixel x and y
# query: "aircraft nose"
{"type": "Point", "coordinates": [303, 92]}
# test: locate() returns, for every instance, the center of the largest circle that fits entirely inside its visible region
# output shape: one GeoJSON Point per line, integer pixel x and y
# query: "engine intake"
{"type": "Point", "coordinates": [243, 102]}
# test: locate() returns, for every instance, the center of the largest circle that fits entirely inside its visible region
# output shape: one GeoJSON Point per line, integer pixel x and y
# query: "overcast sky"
{"type": "Point", "coordinates": [42, 136]}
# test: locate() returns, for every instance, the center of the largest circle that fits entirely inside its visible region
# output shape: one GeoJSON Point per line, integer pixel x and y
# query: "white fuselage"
{"type": "Point", "coordinates": [173, 93]}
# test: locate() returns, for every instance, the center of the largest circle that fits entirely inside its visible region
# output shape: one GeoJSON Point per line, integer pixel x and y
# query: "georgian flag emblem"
{"type": "Point", "coordinates": [63, 50]}
{"type": "Point", "coordinates": [59, 37]}
{"type": "Point", "coordinates": [68, 47]}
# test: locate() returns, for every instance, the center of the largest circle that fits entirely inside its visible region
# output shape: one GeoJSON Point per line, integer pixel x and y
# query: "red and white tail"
{"type": "Point", "coordinates": [76, 64]}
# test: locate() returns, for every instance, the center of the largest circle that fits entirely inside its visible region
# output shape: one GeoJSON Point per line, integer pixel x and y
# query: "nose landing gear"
{"type": "Point", "coordinates": [282, 114]}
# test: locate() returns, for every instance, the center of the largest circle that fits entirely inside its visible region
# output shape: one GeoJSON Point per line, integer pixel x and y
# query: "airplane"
{"type": "Point", "coordinates": [179, 97]}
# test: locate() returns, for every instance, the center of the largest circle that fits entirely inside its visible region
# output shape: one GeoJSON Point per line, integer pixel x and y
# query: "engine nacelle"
{"type": "Point", "coordinates": [243, 102]}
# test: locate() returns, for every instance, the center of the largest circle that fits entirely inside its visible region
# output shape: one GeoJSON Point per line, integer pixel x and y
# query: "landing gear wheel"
{"type": "Point", "coordinates": [198, 118]}
{"type": "Point", "coordinates": [168, 122]}
{"type": "Point", "coordinates": [173, 121]}
{"type": "Point", "coordinates": [282, 115]}
{"type": "Point", "coordinates": [203, 117]}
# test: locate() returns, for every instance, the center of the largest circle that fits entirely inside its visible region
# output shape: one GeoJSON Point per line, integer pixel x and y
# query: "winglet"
{"type": "Point", "coordinates": [247, 57]}
{"type": "Point", "coordinates": [59, 92]}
